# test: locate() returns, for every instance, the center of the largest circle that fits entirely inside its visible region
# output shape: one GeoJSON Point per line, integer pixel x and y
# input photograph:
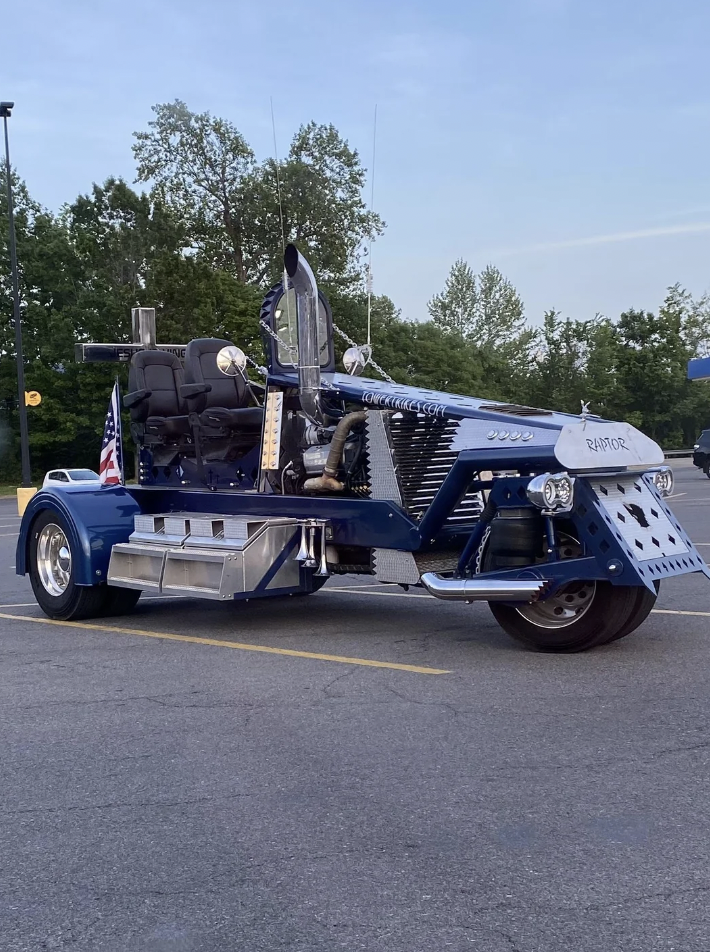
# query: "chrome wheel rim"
{"type": "Point", "coordinates": [564, 608]}
{"type": "Point", "coordinates": [53, 560]}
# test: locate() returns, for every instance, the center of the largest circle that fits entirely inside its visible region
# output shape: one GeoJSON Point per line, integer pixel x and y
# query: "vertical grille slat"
{"type": "Point", "coordinates": [423, 458]}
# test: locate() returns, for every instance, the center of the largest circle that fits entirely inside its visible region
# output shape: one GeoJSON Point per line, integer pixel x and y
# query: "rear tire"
{"type": "Point", "coordinates": [645, 600]}
{"type": "Point", "coordinates": [604, 615]}
{"type": "Point", "coordinates": [52, 565]}
{"type": "Point", "coordinates": [120, 601]}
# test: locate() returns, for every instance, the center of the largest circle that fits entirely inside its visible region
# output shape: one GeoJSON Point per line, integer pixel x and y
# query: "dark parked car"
{"type": "Point", "coordinates": [701, 452]}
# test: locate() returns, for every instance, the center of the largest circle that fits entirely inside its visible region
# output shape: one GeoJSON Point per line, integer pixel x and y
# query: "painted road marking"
{"type": "Point", "coordinates": [670, 611]}
{"type": "Point", "coordinates": [2, 534]}
{"type": "Point", "coordinates": [10, 525]}
{"type": "Point", "coordinates": [189, 639]}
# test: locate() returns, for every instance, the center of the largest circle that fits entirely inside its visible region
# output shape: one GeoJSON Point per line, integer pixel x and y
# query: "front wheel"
{"type": "Point", "coordinates": [52, 565]}
{"type": "Point", "coordinates": [579, 616]}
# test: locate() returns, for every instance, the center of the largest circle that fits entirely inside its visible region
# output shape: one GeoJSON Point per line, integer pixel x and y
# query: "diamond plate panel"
{"type": "Point", "coordinates": [383, 475]}
{"type": "Point", "coordinates": [391, 565]}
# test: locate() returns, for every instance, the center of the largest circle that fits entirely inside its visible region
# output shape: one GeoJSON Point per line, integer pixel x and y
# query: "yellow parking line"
{"type": "Point", "coordinates": [670, 611]}
{"type": "Point", "coordinates": [367, 662]}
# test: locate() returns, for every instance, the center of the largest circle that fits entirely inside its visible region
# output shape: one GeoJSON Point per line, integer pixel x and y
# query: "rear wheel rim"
{"type": "Point", "coordinates": [562, 609]}
{"type": "Point", "coordinates": [53, 560]}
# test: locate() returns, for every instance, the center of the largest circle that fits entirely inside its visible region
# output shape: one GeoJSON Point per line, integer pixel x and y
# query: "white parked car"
{"type": "Point", "coordinates": [71, 477]}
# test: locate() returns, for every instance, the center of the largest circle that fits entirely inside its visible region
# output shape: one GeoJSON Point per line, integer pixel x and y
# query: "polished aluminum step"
{"type": "Point", "coordinates": [211, 556]}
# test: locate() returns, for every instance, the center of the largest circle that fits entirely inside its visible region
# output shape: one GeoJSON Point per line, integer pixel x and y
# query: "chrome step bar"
{"type": "Point", "coordinates": [481, 589]}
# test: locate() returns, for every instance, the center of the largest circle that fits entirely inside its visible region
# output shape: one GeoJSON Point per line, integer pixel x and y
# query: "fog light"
{"type": "Point", "coordinates": [663, 480]}
{"type": "Point", "coordinates": [554, 493]}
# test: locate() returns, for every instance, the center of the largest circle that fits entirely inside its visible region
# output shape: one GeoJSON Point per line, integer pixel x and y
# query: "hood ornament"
{"type": "Point", "coordinates": [585, 411]}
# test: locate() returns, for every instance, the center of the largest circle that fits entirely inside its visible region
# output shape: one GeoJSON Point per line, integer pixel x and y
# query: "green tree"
{"type": "Point", "coordinates": [206, 172]}
{"type": "Point", "coordinates": [199, 165]}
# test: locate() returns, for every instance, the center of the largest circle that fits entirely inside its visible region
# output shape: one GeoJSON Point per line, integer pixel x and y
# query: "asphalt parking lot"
{"type": "Point", "coordinates": [390, 773]}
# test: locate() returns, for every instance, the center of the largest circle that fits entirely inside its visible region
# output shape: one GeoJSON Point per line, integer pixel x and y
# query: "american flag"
{"type": "Point", "coordinates": [111, 464]}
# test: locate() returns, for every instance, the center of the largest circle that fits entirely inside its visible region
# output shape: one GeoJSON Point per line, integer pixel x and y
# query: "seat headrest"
{"type": "Point", "coordinates": [155, 358]}
{"type": "Point", "coordinates": [204, 345]}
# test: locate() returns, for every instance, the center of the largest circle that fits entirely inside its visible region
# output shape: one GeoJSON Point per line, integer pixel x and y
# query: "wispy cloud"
{"type": "Point", "coordinates": [619, 236]}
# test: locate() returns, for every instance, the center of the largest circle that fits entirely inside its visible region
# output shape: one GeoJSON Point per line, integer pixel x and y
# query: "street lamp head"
{"type": "Point", "coordinates": [6, 109]}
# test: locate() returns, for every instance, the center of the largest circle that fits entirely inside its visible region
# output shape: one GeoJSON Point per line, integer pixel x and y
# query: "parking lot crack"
{"type": "Point", "coordinates": [121, 804]}
{"type": "Point", "coordinates": [341, 677]}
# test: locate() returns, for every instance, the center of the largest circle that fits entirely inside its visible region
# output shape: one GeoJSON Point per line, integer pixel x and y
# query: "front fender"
{"type": "Point", "coordinates": [96, 520]}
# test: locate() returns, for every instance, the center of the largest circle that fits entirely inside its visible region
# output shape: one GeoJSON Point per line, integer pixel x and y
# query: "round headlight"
{"type": "Point", "coordinates": [554, 493]}
{"type": "Point", "coordinates": [663, 480]}
{"type": "Point", "coordinates": [564, 491]}
{"type": "Point", "coordinates": [549, 493]}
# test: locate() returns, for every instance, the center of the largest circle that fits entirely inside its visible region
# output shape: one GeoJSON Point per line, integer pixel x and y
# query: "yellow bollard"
{"type": "Point", "coordinates": [24, 494]}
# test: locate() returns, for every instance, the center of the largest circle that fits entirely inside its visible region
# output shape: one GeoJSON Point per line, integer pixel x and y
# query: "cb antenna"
{"type": "Point", "coordinates": [369, 249]}
{"type": "Point", "coordinates": [284, 276]}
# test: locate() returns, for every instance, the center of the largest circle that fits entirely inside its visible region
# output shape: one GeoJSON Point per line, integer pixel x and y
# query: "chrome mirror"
{"type": "Point", "coordinates": [232, 361]}
{"type": "Point", "coordinates": [355, 359]}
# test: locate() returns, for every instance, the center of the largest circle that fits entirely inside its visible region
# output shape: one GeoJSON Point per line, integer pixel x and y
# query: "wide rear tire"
{"type": "Point", "coordinates": [597, 614]}
{"type": "Point", "coordinates": [120, 601]}
{"type": "Point", "coordinates": [645, 600]}
{"type": "Point", "coordinates": [52, 565]}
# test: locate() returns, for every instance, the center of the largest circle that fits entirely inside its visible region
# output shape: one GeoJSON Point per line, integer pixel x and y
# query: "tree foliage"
{"type": "Point", "coordinates": [238, 212]}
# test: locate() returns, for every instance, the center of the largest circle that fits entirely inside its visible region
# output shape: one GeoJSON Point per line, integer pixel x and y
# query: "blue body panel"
{"type": "Point", "coordinates": [96, 519]}
{"type": "Point", "coordinates": [99, 518]}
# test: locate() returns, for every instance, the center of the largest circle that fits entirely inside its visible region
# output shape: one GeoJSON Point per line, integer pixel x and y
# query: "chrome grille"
{"type": "Point", "coordinates": [423, 457]}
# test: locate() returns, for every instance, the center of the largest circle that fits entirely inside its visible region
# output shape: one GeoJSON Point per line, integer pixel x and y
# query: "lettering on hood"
{"type": "Point", "coordinates": [602, 444]}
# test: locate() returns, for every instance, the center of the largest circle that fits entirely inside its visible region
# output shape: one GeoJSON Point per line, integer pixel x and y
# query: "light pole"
{"type": "Point", "coordinates": [6, 112]}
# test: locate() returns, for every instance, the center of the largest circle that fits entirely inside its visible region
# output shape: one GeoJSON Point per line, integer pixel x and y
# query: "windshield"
{"type": "Point", "coordinates": [82, 474]}
{"type": "Point", "coordinates": [287, 330]}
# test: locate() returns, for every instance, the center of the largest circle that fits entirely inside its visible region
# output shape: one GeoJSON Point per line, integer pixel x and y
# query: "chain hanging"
{"type": "Point", "coordinates": [349, 340]}
{"type": "Point", "coordinates": [291, 348]}
{"type": "Point", "coordinates": [293, 351]}
{"type": "Point", "coordinates": [326, 384]}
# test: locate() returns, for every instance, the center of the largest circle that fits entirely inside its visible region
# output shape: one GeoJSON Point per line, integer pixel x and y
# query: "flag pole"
{"type": "Point", "coordinates": [119, 431]}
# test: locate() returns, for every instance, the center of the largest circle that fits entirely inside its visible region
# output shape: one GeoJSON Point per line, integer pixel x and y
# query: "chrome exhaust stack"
{"type": "Point", "coordinates": [304, 284]}
{"type": "Point", "coordinates": [486, 590]}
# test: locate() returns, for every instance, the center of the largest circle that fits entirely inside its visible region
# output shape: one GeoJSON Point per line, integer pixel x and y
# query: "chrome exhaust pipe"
{"type": "Point", "coordinates": [306, 289]}
{"type": "Point", "coordinates": [480, 589]}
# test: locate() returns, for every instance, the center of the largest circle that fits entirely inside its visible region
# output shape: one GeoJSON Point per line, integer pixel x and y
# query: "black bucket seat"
{"type": "Point", "coordinates": [156, 407]}
{"type": "Point", "coordinates": [218, 400]}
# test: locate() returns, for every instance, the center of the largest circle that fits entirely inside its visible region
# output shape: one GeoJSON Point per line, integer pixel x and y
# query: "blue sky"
{"type": "Point", "coordinates": [567, 142]}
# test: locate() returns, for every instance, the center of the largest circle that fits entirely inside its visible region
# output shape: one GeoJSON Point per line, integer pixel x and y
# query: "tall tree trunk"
{"type": "Point", "coordinates": [234, 230]}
